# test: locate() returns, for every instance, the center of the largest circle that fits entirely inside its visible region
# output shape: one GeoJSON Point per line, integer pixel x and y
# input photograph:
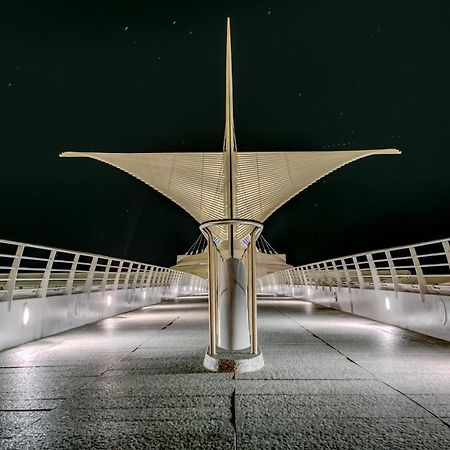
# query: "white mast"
{"type": "Point", "coordinates": [229, 143]}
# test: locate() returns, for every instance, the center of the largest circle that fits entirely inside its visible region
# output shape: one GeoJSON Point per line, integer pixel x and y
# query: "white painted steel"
{"type": "Point", "coordinates": [30, 271]}
{"type": "Point", "coordinates": [423, 268]}
{"type": "Point", "coordinates": [195, 181]}
{"type": "Point", "coordinates": [62, 289]}
{"type": "Point", "coordinates": [229, 184]}
{"type": "Point", "coordinates": [406, 286]}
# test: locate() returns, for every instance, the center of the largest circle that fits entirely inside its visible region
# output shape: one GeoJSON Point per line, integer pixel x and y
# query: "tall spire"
{"type": "Point", "coordinates": [264, 182]}
{"type": "Point", "coordinates": [229, 143]}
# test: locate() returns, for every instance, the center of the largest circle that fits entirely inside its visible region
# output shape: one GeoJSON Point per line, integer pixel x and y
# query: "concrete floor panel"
{"type": "Point", "coordinates": [331, 381]}
{"type": "Point", "coordinates": [295, 408]}
{"type": "Point", "coordinates": [348, 434]}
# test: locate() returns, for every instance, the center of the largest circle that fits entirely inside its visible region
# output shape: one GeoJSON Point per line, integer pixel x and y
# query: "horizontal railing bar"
{"type": "Point", "coordinates": [405, 247]}
{"type": "Point", "coordinates": [62, 250]}
{"type": "Point", "coordinates": [34, 258]}
{"type": "Point", "coordinates": [379, 269]}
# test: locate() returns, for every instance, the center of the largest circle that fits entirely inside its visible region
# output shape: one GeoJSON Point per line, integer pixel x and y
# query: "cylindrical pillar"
{"type": "Point", "coordinates": [212, 291]}
{"type": "Point", "coordinates": [252, 292]}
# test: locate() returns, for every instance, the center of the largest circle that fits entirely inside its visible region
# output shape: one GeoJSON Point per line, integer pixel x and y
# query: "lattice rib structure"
{"type": "Point", "coordinates": [264, 180]}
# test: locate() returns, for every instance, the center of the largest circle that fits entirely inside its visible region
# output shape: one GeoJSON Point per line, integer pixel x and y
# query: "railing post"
{"type": "Point", "coordinates": [290, 282]}
{"type": "Point", "coordinates": [374, 272]}
{"type": "Point", "coordinates": [106, 275]}
{"type": "Point", "coordinates": [135, 281]}
{"type": "Point", "coordinates": [313, 272]}
{"type": "Point", "coordinates": [162, 282]}
{"type": "Point", "coordinates": [136, 276]}
{"type": "Point", "coordinates": [446, 246]}
{"type": "Point", "coordinates": [321, 275]}
{"type": "Point", "coordinates": [337, 275]}
{"type": "Point", "coordinates": [12, 277]}
{"type": "Point", "coordinates": [177, 283]}
{"type": "Point", "coordinates": [91, 275]}
{"type": "Point", "coordinates": [117, 277]}
{"type": "Point", "coordinates": [42, 290]}
{"type": "Point", "coordinates": [155, 279]}
{"type": "Point", "coordinates": [327, 275]}
{"type": "Point", "coordinates": [149, 277]}
{"type": "Point", "coordinates": [358, 273]}
{"type": "Point", "coordinates": [143, 276]}
{"type": "Point", "coordinates": [127, 276]}
{"type": "Point", "coordinates": [71, 277]}
{"type": "Point", "coordinates": [166, 282]}
{"type": "Point", "coordinates": [419, 273]}
{"type": "Point", "coordinates": [393, 271]}
{"type": "Point", "coordinates": [348, 280]}
{"type": "Point", "coordinates": [296, 277]}
{"type": "Point", "coordinates": [305, 276]}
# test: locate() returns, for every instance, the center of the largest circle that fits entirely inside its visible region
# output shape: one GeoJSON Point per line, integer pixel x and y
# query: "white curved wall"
{"type": "Point", "coordinates": [59, 313]}
{"type": "Point", "coordinates": [405, 309]}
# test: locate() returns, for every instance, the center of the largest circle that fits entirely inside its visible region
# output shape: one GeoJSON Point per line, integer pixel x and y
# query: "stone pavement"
{"type": "Point", "coordinates": [331, 381]}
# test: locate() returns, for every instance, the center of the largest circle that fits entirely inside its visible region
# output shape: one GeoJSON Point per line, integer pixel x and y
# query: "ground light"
{"type": "Point", "coordinates": [26, 315]}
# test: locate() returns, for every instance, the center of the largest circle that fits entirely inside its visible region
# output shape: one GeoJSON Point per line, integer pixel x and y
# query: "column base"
{"type": "Point", "coordinates": [233, 361]}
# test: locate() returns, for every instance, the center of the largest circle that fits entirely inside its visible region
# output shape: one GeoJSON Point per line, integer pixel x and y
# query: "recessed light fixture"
{"type": "Point", "coordinates": [144, 295]}
{"type": "Point", "coordinates": [108, 300]}
{"type": "Point", "coordinates": [387, 303]}
{"type": "Point", "coordinates": [309, 291]}
{"type": "Point", "coordinates": [26, 315]}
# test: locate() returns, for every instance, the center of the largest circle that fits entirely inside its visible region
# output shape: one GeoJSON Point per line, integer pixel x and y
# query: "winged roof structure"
{"type": "Point", "coordinates": [264, 180]}
{"type": "Point", "coordinates": [230, 184]}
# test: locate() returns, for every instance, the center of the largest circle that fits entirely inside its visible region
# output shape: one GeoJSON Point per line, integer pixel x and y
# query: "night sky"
{"type": "Point", "coordinates": [134, 76]}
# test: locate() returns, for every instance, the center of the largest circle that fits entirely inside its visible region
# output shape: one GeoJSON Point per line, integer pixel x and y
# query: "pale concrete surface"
{"type": "Point", "coordinates": [331, 381]}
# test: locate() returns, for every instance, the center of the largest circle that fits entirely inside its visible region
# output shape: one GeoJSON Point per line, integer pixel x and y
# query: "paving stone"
{"type": "Point", "coordinates": [347, 434]}
{"type": "Point", "coordinates": [171, 384]}
{"type": "Point", "coordinates": [308, 369]}
{"type": "Point", "coordinates": [53, 371]}
{"type": "Point", "coordinates": [438, 404]}
{"type": "Point", "coordinates": [263, 408]}
{"type": "Point", "coordinates": [140, 414]}
{"type": "Point", "coordinates": [208, 434]}
{"type": "Point", "coordinates": [318, 386]}
{"type": "Point", "coordinates": [13, 422]}
{"type": "Point", "coordinates": [419, 383]}
{"type": "Point", "coordinates": [43, 384]}
{"type": "Point", "coordinates": [97, 400]}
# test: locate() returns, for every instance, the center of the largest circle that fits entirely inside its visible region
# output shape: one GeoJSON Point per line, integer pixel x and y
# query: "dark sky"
{"type": "Point", "coordinates": [132, 76]}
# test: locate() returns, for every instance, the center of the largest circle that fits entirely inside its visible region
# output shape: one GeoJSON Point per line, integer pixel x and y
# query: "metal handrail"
{"type": "Point", "coordinates": [105, 273]}
{"type": "Point", "coordinates": [416, 272]}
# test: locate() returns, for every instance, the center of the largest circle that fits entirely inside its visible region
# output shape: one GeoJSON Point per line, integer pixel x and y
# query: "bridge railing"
{"type": "Point", "coordinates": [423, 268]}
{"type": "Point", "coordinates": [35, 271]}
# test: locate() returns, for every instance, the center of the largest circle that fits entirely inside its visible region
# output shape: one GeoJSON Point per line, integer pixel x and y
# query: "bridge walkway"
{"type": "Point", "coordinates": [331, 380]}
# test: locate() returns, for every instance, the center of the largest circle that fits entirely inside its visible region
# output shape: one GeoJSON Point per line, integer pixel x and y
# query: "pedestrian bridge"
{"type": "Point", "coordinates": [45, 290]}
{"type": "Point", "coordinates": [351, 349]}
